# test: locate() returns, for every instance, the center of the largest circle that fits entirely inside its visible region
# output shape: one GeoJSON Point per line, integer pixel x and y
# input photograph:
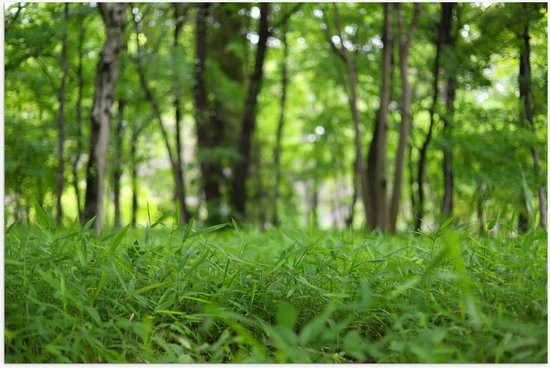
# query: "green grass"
{"type": "Point", "coordinates": [166, 295]}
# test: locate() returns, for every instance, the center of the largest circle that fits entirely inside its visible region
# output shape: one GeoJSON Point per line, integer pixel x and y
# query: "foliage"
{"type": "Point", "coordinates": [163, 294]}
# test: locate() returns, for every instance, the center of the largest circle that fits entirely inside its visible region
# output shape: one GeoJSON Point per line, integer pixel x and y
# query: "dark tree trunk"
{"type": "Point", "coordinates": [526, 96]}
{"type": "Point", "coordinates": [107, 73]}
{"type": "Point", "coordinates": [78, 120]}
{"type": "Point", "coordinates": [377, 160]}
{"type": "Point", "coordinates": [450, 93]}
{"type": "Point", "coordinates": [242, 166]}
{"type": "Point", "coordinates": [117, 169]}
{"type": "Point", "coordinates": [405, 42]}
{"type": "Point", "coordinates": [444, 29]}
{"type": "Point", "coordinates": [133, 175]}
{"type": "Point", "coordinates": [211, 170]}
{"type": "Point", "coordinates": [61, 123]}
{"type": "Point", "coordinates": [280, 126]}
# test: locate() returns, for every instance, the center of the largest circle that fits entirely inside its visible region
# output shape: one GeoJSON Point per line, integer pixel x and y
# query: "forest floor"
{"type": "Point", "coordinates": [223, 294]}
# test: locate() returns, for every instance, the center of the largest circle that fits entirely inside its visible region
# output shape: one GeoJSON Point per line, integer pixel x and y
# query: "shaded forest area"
{"type": "Point", "coordinates": [276, 183]}
{"type": "Point", "coordinates": [393, 116]}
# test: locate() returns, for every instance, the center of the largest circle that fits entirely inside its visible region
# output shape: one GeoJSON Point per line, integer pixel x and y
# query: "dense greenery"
{"type": "Point", "coordinates": [225, 294]}
{"type": "Point", "coordinates": [495, 177]}
{"type": "Point", "coordinates": [349, 182]}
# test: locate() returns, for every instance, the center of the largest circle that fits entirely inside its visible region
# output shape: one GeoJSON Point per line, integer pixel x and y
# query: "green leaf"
{"type": "Point", "coordinates": [286, 315]}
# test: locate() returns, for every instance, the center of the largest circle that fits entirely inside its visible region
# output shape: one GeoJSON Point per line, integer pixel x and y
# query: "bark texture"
{"type": "Point", "coordinates": [378, 214]}
{"type": "Point", "coordinates": [114, 17]}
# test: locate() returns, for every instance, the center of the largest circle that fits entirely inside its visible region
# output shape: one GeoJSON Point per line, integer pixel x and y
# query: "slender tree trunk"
{"type": "Point", "coordinates": [241, 168]}
{"type": "Point", "coordinates": [405, 42]}
{"type": "Point", "coordinates": [117, 170]}
{"type": "Point", "coordinates": [280, 126]}
{"type": "Point", "coordinates": [61, 123]}
{"type": "Point", "coordinates": [450, 93]}
{"type": "Point", "coordinates": [134, 163]}
{"type": "Point", "coordinates": [377, 162]}
{"type": "Point", "coordinates": [78, 120]}
{"type": "Point", "coordinates": [442, 40]}
{"type": "Point", "coordinates": [352, 100]}
{"type": "Point", "coordinates": [180, 11]}
{"type": "Point", "coordinates": [356, 185]}
{"type": "Point", "coordinates": [176, 169]}
{"type": "Point", "coordinates": [107, 73]}
{"type": "Point", "coordinates": [526, 96]}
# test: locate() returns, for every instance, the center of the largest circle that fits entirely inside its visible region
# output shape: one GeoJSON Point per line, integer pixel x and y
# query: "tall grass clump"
{"type": "Point", "coordinates": [163, 294]}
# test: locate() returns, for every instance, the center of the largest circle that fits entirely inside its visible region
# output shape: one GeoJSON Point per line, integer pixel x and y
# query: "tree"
{"type": "Point", "coordinates": [113, 15]}
{"type": "Point", "coordinates": [405, 41]}
{"type": "Point", "coordinates": [377, 212]}
{"type": "Point", "coordinates": [241, 167]}
{"type": "Point", "coordinates": [61, 122]}
{"type": "Point", "coordinates": [352, 99]}
{"type": "Point", "coordinates": [175, 163]}
{"type": "Point", "coordinates": [78, 117]}
{"type": "Point", "coordinates": [443, 39]}
{"type": "Point", "coordinates": [526, 97]}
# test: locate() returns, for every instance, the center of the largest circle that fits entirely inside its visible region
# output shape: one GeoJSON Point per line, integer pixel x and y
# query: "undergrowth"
{"type": "Point", "coordinates": [222, 294]}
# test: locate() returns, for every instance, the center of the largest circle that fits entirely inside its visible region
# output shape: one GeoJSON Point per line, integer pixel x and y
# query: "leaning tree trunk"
{"type": "Point", "coordinates": [377, 161]}
{"type": "Point", "coordinates": [78, 120]}
{"type": "Point", "coordinates": [444, 29]}
{"type": "Point", "coordinates": [107, 73]}
{"type": "Point", "coordinates": [242, 166]}
{"type": "Point", "coordinates": [61, 123]}
{"type": "Point", "coordinates": [404, 47]}
{"type": "Point", "coordinates": [526, 96]}
{"type": "Point", "coordinates": [176, 168]}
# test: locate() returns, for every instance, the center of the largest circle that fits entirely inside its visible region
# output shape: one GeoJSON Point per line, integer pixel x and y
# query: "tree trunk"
{"type": "Point", "coordinates": [526, 96]}
{"type": "Point", "coordinates": [450, 93]}
{"type": "Point", "coordinates": [78, 120]}
{"type": "Point", "coordinates": [61, 123]}
{"type": "Point", "coordinates": [377, 161]}
{"type": "Point", "coordinates": [117, 170]}
{"type": "Point", "coordinates": [210, 169]}
{"type": "Point", "coordinates": [107, 72]}
{"type": "Point", "coordinates": [404, 131]}
{"type": "Point", "coordinates": [280, 126]}
{"type": "Point", "coordinates": [352, 100]}
{"type": "Point", "coordinates": [133, 160]}
{"type": "Point", "coordinates": [176, 169]}
{"type": "Point", "coordinates": [242, 166]}
{"type": "Point", "coordinates": [444, 29]}
{"type": "Point", "coordinates": [180, 11]}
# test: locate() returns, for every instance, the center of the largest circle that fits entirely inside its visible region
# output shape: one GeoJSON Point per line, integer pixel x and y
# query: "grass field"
{"type": "Point", "coordinates": [224, 294]}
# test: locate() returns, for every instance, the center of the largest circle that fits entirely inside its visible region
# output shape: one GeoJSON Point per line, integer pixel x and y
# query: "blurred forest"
{"type": "Point", "coordinates": [389, 116]}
